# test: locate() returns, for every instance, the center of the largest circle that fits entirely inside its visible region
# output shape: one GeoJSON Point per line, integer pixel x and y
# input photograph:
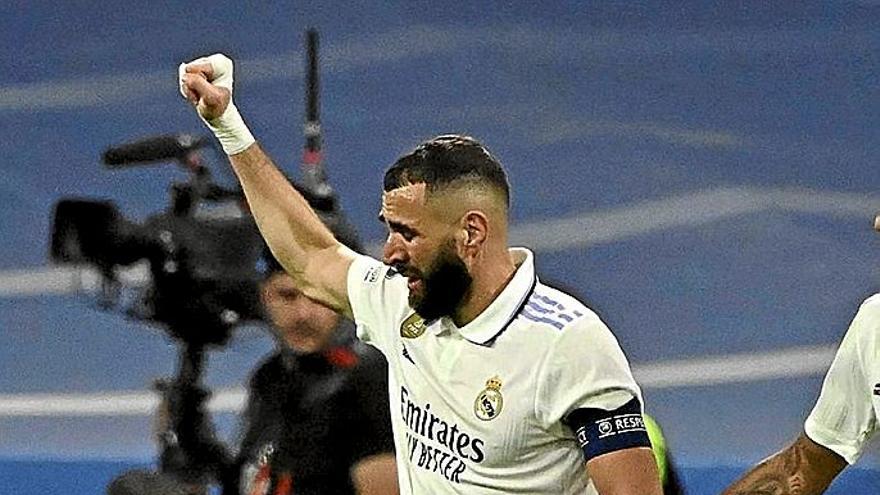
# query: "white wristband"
{"type": "Point", "coordinates": [231, 131]}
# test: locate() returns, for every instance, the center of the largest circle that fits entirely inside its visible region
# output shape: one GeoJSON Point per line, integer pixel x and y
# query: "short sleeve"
{"type": "Point", "coordinates": [843, 419]}
{"type": "Point", "coordinates": [585, 369]}
{"type": "Point", "coordinates": [378, 296]}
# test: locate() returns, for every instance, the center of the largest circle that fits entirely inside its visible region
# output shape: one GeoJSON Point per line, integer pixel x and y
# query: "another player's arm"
{"type": "Point", "coordinates": [299, 240]}
{"type": "Point", "coordinates": [803, 468]}
{"type": "Point", "coordinates": [840, 423]}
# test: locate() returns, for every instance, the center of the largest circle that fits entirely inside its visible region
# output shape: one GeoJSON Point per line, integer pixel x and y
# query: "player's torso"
{"type": "Point", "coordinates": [466, 417]}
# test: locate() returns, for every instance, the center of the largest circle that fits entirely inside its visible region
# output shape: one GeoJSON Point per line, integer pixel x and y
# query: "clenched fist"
{"type": "Point", "coordinates": [207, 83]}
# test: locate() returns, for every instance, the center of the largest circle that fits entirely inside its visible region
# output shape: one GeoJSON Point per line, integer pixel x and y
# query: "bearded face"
{"type": "Point", "coordinates": [439, 289]}
{"type": "Point", "coordinates": [421, 247]}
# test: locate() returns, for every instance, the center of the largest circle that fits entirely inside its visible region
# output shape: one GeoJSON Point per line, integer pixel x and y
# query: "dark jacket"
{"type": "Point", "coordinates": [310, 419]}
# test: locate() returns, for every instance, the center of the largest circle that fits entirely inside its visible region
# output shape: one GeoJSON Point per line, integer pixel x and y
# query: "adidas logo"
{"type": "Point", "coordinates": [410, 359]}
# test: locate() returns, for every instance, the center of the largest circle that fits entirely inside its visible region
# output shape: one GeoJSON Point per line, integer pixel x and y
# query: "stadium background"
{"type": "Point", "coordinates": [705, 176]}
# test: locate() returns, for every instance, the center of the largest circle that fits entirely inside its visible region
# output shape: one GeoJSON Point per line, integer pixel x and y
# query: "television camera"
{"type": "Point", "coordinates": [202, 250]}
{"type": "Point", "coordinates": [203, 253]}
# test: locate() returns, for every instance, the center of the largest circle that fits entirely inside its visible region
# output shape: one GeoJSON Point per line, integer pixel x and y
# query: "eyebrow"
{"type": "Point", "coordinates": [397, 226]}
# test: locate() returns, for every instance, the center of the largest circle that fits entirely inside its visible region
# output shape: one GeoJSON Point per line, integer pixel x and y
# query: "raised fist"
{"type": "Point", "coordinates": [207, 83]}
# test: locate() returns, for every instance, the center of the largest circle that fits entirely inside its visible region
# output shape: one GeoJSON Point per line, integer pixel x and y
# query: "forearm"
{"type": "Point", "coordinates": [804, 468]}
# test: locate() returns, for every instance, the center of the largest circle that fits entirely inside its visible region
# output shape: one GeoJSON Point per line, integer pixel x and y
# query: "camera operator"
{"type": "Point", "coordinates": [316, 421]}
{"type": "Point", "coordinates": [317, 417]}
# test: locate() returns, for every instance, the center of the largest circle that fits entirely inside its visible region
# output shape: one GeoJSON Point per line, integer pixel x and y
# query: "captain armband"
{"type": "Point", "coordinates": [599, 432]}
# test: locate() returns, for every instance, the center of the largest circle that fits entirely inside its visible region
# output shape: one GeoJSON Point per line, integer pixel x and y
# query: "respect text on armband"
{"type": "Point", "coordinates": [436, 445]}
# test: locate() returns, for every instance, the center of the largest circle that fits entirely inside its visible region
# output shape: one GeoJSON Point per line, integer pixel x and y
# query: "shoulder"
{"type": "Point", "coordinates": [554, 309]}
{"type": "Point", "coordinates": [368, 356]}
{"type": "Point", "coordinates": [267, 371]}
{"type": "Point", "coordinates": [568, 328]}
{"type": "Point", "coordinates": [368, 379]}
{"type": "Point", "coordinates": [871, 306]}
{"type": "Point", "coordinates": [376, 291]}
{"type": "Point", "coordinates": [866, 323]}
{"type": "Point", "coordinates": [862, 339]}
{"type": "Point", "coordinates": [371, 364]}
{"type": "Point", "coordinates": [582, 364]}
{"type": "Point", "coordinates": [369, 271]}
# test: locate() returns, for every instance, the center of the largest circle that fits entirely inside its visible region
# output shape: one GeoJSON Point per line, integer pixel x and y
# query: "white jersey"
{"type": "Point", "coordinates": [479, 409]}
{"type": "Point", "coordinates": [845, 416]}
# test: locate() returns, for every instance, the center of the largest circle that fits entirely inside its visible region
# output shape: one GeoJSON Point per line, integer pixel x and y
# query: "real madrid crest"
{"type": "Point", "coordinates": [489, 402]}
{"type": "Point", "coordinates": [412, 327]}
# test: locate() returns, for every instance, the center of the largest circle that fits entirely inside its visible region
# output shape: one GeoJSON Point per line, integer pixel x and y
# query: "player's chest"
{"type": "Point", "coordinates": [482, 394]}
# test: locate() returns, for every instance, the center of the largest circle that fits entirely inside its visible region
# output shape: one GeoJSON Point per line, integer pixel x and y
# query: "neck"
{"type": "Point", "coordinates": [489, 279]}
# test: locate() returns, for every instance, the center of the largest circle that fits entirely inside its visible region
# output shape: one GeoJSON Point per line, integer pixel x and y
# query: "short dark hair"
{"type": "Point", "coordinates": [446, 160]}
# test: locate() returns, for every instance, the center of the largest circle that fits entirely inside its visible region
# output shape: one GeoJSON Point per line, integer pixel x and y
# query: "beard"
{"type": "Point", "coordinates": [445, 285]}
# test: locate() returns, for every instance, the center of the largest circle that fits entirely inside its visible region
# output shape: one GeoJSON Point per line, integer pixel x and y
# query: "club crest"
{"type": "Point", "coordinates": [489, 402]}
{"type": "Point", "coordinates": [412, 327]}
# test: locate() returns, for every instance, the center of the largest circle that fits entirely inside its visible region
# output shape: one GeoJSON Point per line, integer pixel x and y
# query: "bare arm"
{"type": "Point", "coordinates": [299, 240]}
{"type": "Point", "coordinates": [625, 472]}
{"type": "Point", "coordinates": [804, 468]}
{"type": "Point", "coordinates": [375, 475]}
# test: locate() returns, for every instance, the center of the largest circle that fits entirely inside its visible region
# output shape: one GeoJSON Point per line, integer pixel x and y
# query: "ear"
{"type": "Point", "coordinates": [475, 230]}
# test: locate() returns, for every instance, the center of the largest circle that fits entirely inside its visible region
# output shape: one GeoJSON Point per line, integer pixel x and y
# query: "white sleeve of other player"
{"type": "Point", "coordinates": [378, 297]}
{"type": "Point", "coordinates": [584, 369]}
{"type": "Point", "coordinates": [844, 419]}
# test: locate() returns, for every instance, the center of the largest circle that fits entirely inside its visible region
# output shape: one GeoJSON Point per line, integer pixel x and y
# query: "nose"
{"type": "Point", "coordinates": [393, 252]}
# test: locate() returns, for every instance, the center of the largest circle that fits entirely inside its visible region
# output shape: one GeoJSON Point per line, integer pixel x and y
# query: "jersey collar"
{"type": "Point", "coordinates": [495, 318]}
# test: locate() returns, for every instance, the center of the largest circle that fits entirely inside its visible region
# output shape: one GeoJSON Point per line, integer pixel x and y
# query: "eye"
{"type": "Point", "coordinates": [405, 231]}
{"type": "Point", "coordinates": [408, 235]}
{"type": "Point", "coordinates": [288, 294]}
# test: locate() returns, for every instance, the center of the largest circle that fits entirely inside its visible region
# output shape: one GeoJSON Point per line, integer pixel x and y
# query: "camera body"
{"type": "Point", "coordinates": [202, 251]}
